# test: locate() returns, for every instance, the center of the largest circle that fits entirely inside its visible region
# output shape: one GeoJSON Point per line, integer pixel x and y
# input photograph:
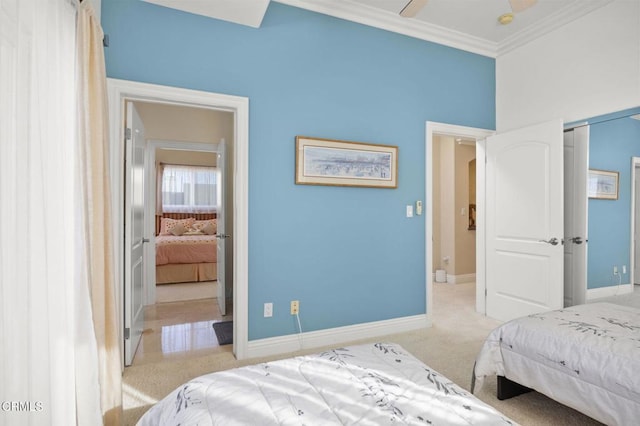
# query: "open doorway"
{"type": "Point", "coordinates": [459, 213]}
{"type": "Point", "coordinates": [454, 199]}
{"type": "Point", "coordinates": [121, 92]}
{"type": "Point", "coordinates": [187, 139]}
{"type": "Point", "coordinates": [185, 204]}
{"type": "Point", "coordinates": [635, 223]}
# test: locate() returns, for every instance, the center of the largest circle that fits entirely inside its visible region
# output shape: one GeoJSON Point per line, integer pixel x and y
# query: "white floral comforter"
{"type": "Point", "coordinates": [378, 384]}
{"type": "Point", "coordinates": [585, 356]}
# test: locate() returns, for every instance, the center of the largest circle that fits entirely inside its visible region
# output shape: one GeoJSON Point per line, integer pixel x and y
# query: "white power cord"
{"type": "Point", "coordinates": [299, 330]}
{"type": "Point", "coordinates": [619, 283]}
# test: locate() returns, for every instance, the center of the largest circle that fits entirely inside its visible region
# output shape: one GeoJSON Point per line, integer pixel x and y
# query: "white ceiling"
{"type": "Point", "coordinates": [245, 12]}
{"type": "Point", "coordinates": [470, 25]}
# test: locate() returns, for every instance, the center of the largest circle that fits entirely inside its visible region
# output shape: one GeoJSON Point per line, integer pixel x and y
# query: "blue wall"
{"type": "Point", "coordinates": [348, 254]}
{"type": "Point", "coordinates": [612, 143]}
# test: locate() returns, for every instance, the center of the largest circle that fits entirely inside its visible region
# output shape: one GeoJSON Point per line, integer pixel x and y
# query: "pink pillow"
{"type": "Point", "coordinates": [167, 224]}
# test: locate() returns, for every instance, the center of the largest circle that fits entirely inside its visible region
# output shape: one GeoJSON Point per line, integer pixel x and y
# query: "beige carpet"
{"type": "Point", "coordinates": [450, 347]}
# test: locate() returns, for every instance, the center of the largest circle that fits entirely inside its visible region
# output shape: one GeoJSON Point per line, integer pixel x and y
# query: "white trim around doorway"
{"type": "Point", "coordinates": [121, 90]}
{"type": "Point", "coordinates": [432, 129]}
{"type": "Point", "coordinates": [635, 210]}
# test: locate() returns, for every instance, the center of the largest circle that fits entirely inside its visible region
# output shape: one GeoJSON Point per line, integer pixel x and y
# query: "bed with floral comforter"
{"type": "Point", "coordinates": [586, 357]}
{"type": "Point", "coordinates": [374, 384]}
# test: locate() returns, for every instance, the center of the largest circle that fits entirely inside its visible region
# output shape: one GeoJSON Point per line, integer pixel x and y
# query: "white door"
{"type": "Point", "coordinates": [636, 221]}
{"type": "Point", "coordinates": [524, 221]}
{"type": "Point", "coordinates": [134, 232]}
{"type": "Point", "coordinates": [576, 164]}
{"type": "Point", "coordinates": [220, 234]}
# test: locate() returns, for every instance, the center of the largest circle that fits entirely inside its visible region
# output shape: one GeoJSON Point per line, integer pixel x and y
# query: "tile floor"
{"type": "Point", "coordinates": [180, 330]}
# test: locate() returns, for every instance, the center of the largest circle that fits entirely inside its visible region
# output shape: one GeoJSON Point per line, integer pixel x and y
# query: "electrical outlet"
{"type": "Point", "coordinates": [295, 307]}
{"type": "Point", "coordinates": [615, 270]}
{"type": "Point", "coordinates": [624, 269]}
{"type": "Point", "coordinates": [268, 310]}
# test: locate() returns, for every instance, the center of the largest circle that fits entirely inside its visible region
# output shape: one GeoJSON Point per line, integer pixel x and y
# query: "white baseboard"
{"type": "Point", "coordinates": [334, 336]}
{"type": "Point", "coordinates": [615, 290]}
{"type": "Point", "coordinates": [458, 279]}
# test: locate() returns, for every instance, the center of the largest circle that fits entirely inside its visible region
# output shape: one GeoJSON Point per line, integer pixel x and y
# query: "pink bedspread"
{"type": "Point", "coordinates": [185, 249]}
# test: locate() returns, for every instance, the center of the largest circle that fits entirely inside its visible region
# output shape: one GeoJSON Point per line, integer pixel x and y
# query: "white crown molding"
{"type": "Point", "coordinates": [373, 17]}
{"type": "Point", "coordinates": [571, 12]}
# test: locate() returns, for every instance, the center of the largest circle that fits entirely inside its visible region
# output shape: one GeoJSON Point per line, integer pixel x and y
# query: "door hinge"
{"type": "Point", "coordinates": [485, 292]}
{"type": "Point", "coordinates": [127, 333]}
{"type": "Point", "coordinates": [127, 133]}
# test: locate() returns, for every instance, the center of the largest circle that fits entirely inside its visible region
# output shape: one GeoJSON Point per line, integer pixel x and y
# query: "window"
{"type": "Point", "coordinates": [190, 189]}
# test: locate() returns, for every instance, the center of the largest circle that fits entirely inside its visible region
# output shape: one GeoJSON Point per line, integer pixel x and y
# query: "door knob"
{"type": "Point", "coordinates": [576, 240]}
{"type": "Point", "coordinates": [553, 241]}
{"type": "Point", "coordinates": [220, 236]}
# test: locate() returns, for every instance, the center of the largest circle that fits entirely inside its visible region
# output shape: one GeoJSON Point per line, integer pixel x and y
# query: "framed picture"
{"type": "Point", "coordinates": [472, 217]}
{"type": "Point", "coordinates": [603, 184]}
{"type": "Point", "coordinates": [342, 163]}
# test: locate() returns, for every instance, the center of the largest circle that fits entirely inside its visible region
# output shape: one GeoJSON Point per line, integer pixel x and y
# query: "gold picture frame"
{"type": "Point", "coordinates": [603, 184]}
{"type": "Point", "coordinates": [344, 163]}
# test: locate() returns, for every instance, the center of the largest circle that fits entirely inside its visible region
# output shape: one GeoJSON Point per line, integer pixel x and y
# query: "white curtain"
{"type": "Point", "coordinates": [39, 300]}
{"type": "Point", "coordinates": [190, 189]}
{"type": "Point", "coordinates": [51, 346]}
{"type": "Point", "coordinates": [95, 234]}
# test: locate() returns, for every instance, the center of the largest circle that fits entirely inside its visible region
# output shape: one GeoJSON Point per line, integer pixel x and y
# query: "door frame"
{"type": "Point", "coordinates": [150, 208]}
{"type": "Point", "coordinates": [432, 129]}
{"type": "Point", "coordinates": [121, 90]}
{"type": "Point", "coordinates": [580, 207]}
{"type": "Point", "coordinates": [635, 165]}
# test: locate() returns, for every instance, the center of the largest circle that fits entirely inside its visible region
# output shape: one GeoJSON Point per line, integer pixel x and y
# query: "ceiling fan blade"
{"type": "Point", "coordinates": [412, 8]}
{"type": "Point", "coordinates": [520, 5]}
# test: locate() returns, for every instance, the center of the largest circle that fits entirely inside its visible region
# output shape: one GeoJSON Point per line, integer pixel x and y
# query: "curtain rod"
{"type": "Point", "coordinates": [105, 38]}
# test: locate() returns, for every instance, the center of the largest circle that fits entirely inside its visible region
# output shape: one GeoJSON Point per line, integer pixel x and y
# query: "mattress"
{"type": "Point", "coordinates": [585, 356]}
{"type": "Point", "coordinates": [374, 384]}
{"type": "Point", "coordinates": [186, 249]}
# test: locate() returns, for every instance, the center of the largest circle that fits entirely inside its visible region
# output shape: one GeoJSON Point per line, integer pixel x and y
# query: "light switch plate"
{"type": "Point", "coordinates": [418, 207]}
{"type": "Point", "coordinates": [409, 211]}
